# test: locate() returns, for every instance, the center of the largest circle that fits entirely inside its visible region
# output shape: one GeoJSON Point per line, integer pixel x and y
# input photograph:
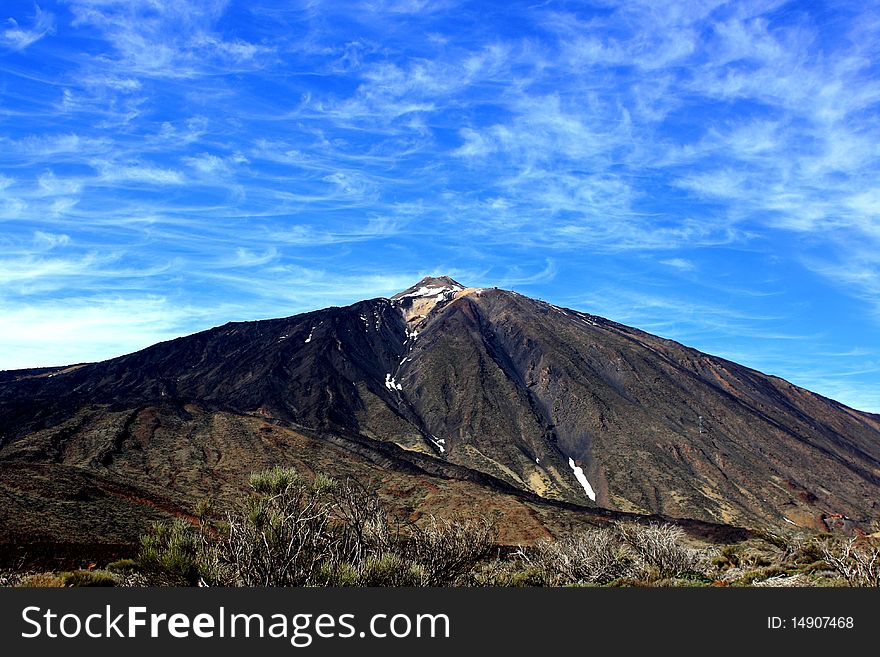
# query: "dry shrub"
{"type": "Point", "coordinates": [627, 553]}
{"type": "Point", "coordinates": [596, 556]}
{"type": "Point", "coordinates": [660, 549]}
{"type": "Point", "coordinates": [446, 550]}
{"type": "Point", "coordinates": [361, 524]}
{"type": "Point", "coordinates": [41, 581]}
{"type": "Point", "coordinates": [857, 559]}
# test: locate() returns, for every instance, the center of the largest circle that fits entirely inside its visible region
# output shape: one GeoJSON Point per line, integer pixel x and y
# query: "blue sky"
{"type": "Point", "coordinates": [707, 171]}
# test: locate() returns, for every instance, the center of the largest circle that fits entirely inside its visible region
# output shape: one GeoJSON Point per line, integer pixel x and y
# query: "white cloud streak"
{"type": "Point", "coordinates": [15, 36]}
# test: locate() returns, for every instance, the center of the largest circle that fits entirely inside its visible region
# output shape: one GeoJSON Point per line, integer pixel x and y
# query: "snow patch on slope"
{"type": "Point", "coordinates": [582, 478]}
{"type": "Point", "coordinates": [438, 443]}
{"type": "Point", "coordinates": [391, 384]}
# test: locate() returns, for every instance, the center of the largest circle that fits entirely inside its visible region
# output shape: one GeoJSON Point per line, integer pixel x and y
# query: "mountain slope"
{"type": "Point", "coordinates": [539, 399]}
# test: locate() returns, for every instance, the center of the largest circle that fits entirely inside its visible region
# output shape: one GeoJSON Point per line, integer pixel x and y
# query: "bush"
{"type": "Point", "coordinates": [41, 581]}
{"type": "Point", "coordinates": [727, 557]}
{"type": "Point", "coordinates": [362, 525]}
{"type": "Point", "coordinates": [291, 531]}
{"type": "Point", "coordinates": [281, 535]}
{"type": "Point", "coordinates": [508, 572]}
{"type": "Point", "coordinates": [805, 552]}
{"type": "Point", "coordinates": [628, 555]}
{"type": "Point", "coordinates": [446, 550]}
{"type": "Point", "coordinates": [173, 553]}
{"type": "Point", "coordinates": [288, 532]}
{"type": "Point", "coordinates": [123, 566]}
{"type": "Point", "coordinates": [660, 550]}
{"type": "Point", "coordinates": [687, 581]}
{"type": "Point", "coordinates": [391, 570]}
{"type": "Point", "coordinates": [341, 574]}
{"type": "Point", "coordinates": [753, 576]}
{"type": "Point", "coordinates": [592, 556]}
{"type": "Point", "coordinates": [79, 578]}
{"type": "Point", "coordinates": [856, 560]}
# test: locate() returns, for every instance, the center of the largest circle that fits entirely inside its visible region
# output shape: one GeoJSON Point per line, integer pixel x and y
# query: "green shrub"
{"type": "Point", "coordinates": [513, 573]}
{"type": "Point", "coordinates": [78, 578]}
{"type": "Point", "coordinates": [695, 576]}
{"type": "Point", "coordinates": [627, 582]}
{"type": "Point", "coordinates": [173, 553]}
{"type": "Point", "coordinates": [830, 582]}
{"type": "Point", "coordinates": [752, 576]}
{"type": "Point", "coordinates": [337, 574]}
{"type": "Point", "coordinates": [807, 553]}
{"type": "Point", "coordinates": [815, 567]}
{"type": "Point", "coordinates": [391, 570]}
{"type": "Point", "coordinates": [123, 566]}
{"type": "Point", "coordinates": [727, 557]}
{"type": "Point", "coordinates": [528, 576]}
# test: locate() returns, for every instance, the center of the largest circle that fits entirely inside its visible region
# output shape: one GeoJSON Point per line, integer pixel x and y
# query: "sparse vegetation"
{"type": "Point", "coordinates": [282, 535]}
{"type": "Point", "coordinates": [622, 555]}
{"type": "Point", "coordinates": [292, 531]}
{"type": "Point", "coordinates": [289, 530]}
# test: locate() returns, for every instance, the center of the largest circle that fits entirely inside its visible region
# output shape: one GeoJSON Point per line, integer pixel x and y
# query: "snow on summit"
{"type": "Point", "coordinates": [431, 286]}
{"type": "Point", "coordinates": [418, 301]}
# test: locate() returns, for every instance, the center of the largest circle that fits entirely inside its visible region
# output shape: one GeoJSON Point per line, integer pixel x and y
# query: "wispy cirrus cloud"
{"type": "Point", "coordinates": [162, 39]}
{"type": "Point", "coordinates": [137, 172]}
{"type": "Point", "coordinates": [16, 35]}
{"type": "Point", "coordinates": [679, 263]}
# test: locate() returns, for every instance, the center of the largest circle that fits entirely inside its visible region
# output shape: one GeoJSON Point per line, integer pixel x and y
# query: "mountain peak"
{"type": "Point", "coordinates": [431, 285]}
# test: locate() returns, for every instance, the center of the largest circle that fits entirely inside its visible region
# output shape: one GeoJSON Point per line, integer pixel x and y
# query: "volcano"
{"type": "Point", "coordinates": [445, 398]}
